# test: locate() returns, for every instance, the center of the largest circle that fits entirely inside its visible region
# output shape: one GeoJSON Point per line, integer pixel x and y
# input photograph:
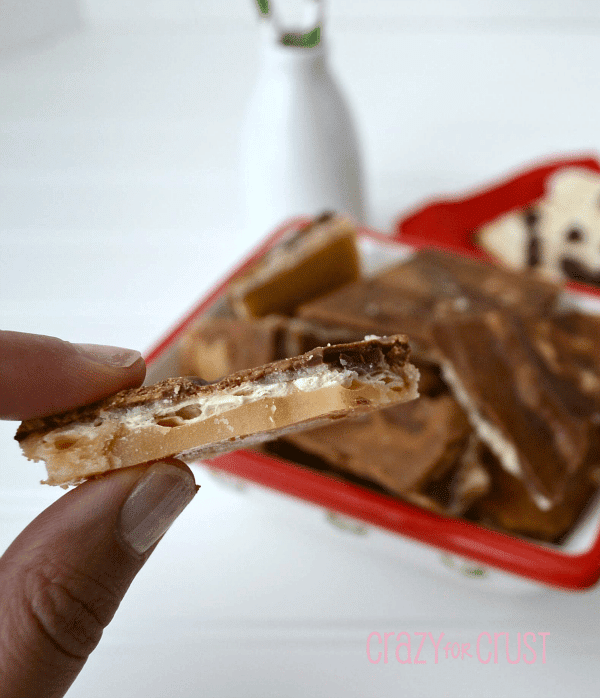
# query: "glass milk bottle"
{"type": "Point", "coordinates": [299, 153]}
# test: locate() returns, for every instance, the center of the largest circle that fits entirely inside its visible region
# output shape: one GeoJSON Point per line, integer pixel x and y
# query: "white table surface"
{"type": "Point", "coordinates": [119, 208]}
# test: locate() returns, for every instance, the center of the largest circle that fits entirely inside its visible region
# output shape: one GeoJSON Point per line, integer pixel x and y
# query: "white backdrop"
{"type": "Point", "coordinates": [119, 207]}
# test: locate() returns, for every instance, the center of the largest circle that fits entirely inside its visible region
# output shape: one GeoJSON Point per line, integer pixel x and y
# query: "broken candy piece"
{"type": "Point", "coordinates": [315, 260]}
{"type": "Point", "coordinates": [187, 417]}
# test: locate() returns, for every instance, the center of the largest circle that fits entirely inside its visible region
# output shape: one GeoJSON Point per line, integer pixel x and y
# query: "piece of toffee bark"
{"type": "Point", "coordinates": [570, 346]}
{"type": "Point", "coordinates": [187, 417]}
{"type": "Point", "coordinates": [399, 448]}
{"type": "Point", "coordinates": [316, 259]}
{"type": "Point", "coordinates": [507, 506]}
{"type": "Point", "coordinates": [556, 236]}
{"type": "Point", "coordinates": [539, 424]}
{"type": "Point", "coordinates": [454, 491]}
{"type": "Point", "coordinates": [217, 346]}
{"type": "Point", "coordinates": [462, 283]}
{"type": "Point", "coordinates": [431, 285]}
{"type": "Point", "coordinates": [368, 306]}
{"type": "Point", "coordinates": [469, 481]}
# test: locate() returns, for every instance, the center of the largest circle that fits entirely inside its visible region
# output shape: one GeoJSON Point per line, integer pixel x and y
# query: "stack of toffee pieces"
{"type": "Point", "coordinates": [506, 431]}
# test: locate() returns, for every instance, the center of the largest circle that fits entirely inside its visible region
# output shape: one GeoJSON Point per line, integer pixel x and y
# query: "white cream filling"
{"type": "Point", "coordinates": [199, 408]}
{"type": "Point", "coordinates": [492, 436]}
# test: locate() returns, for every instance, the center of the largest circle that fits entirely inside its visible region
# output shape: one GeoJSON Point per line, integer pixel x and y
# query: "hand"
{"type": "Point", "coordinates": [63, 578]}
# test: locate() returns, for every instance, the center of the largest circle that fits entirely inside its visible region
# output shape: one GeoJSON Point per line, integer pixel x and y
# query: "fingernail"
{"type": "Point", "coordinates": [109, 356]}
{"type": "Point", "coordinates": [156, 500]}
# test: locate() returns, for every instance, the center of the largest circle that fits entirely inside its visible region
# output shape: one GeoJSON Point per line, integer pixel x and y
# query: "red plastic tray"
{"type": "Point", "coordinates": [543, 564]}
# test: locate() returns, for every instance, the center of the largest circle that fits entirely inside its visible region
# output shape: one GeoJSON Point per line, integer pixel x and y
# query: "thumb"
{"type": "Point", "coordinates": [63, 578]}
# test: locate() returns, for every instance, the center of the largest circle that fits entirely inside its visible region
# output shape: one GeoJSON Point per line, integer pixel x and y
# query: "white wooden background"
{"type": "Point", "coordinates": [119, 207]}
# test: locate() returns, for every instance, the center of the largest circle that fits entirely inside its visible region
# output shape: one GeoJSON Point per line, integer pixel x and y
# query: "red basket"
{"type": "Point", "coordinates": [445, 224]}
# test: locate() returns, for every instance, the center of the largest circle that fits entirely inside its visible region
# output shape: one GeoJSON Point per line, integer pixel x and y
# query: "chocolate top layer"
{"type": "Point", "coordinates": [398, 447]}
{"type": "Point", "coordinates": [478, 283]}
{"type": "Point", "coordinates": [542, 414]}
{"type": "Point", "coordinates": [413, 295]}
{"type": "Point", "coordinates": [508, 505]}
{"type": "Point", "coordinates": [368, 306]}
{"type": "Point", "coordinates": [365, 357]}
